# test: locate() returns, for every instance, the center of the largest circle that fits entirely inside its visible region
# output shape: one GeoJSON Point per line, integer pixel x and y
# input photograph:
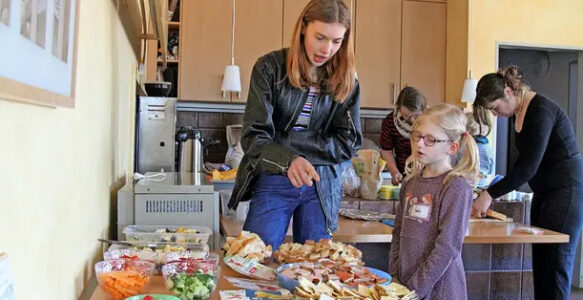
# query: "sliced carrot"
{"type": "Point", "coordinates": [122, 284]}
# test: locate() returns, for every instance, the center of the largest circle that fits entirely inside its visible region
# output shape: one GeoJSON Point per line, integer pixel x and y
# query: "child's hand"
{"type": "Point", "coordinates": [396, 178]}
{"type": "Point", "coordinates": [481, 204]}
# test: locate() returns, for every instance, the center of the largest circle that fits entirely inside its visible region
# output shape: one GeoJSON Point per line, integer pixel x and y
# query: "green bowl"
{"type": "Point", "coordinates": [155, 296]}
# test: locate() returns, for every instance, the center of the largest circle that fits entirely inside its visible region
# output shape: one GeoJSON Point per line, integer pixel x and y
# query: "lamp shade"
{"type": "Point", "coordinates": [232, 79]}
{"type": "Point", "coordinates": [469, 91]}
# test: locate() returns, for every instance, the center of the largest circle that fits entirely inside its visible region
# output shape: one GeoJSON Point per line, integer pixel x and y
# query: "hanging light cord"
{"type": "Point", "coordinates": [469, 38]}
{"type": "Point", "coordinates": [233, 37]}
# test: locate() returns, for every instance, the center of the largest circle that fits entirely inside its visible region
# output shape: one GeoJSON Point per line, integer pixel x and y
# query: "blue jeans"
{"type": "Point", "coordinates": [274, 201]}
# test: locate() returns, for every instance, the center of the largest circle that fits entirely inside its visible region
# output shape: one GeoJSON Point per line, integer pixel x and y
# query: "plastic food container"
{"type": "Point", "coordinates": [388, 192]}
{"type": "Point", "coordinates": [191, 280]}
{"type": "Point", "coordinates": [177, 256]}
{"type": "Point", "coordinates": [158, 256]}
{"type": "Point", "coordinates": [124, 278]}
{"type": "Point", "coordinates": [153, 297]}
{"type": "Point", "coordinates": [167, 233]}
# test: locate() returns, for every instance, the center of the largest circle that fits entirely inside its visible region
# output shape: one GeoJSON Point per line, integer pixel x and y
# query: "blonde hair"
{"type": "Point", "coordinates": [453, 121]}
{"type": "Point", "coordinates": [339, 71]}
{"type": "Point", "coordinates": [474, 128]}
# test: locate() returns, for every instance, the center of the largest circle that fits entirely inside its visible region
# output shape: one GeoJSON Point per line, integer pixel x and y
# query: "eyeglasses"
{"type": "Point", "coordinates": [410, 118]}
{"type": "Point", "coordinates": [427, 139]}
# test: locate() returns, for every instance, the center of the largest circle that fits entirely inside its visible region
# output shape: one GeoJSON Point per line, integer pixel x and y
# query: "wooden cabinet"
{"type": "Point", "coordinates": [205, 46]}
{"type": "Point", "coordinates": [397, 43]}
{"type": "Point", "coordinates": [400, 43]}
{"type": "Point", "coordinates": [291, 12]}
{"type": "Point", "coordinates": [423, 48]}
{"type": "Point", "coordinates": [378, 51]}
{"type": "Point", "coordinates": [256, 34]}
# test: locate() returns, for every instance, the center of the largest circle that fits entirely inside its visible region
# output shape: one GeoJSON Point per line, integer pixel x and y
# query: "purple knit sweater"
{"type": "Point", "coordinates": [428, 236]}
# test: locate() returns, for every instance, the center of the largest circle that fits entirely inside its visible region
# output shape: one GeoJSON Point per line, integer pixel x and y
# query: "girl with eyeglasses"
{"type": "Point", "coordinates": [549, 160]}
{"type": "Point", "coordinates": [396, 131]}
{"type": "Point", "coordinates": [435, 205]}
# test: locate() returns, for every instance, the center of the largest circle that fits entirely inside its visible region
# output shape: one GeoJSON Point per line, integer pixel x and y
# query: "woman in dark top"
{"type": "Point", "coordinates": [550, 161]}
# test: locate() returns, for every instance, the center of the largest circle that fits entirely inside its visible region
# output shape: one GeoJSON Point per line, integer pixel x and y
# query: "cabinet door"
{"type": "Point", "coordinates": [424, 46]}
{"type": "Point", "coordinates": [291, 11]}
{"type": "Point", "coordinates": [205, 41]}
{"type": "Point", "coordinates": [378, 51]}
{"type": "Point", "coordinates": [257, 32]}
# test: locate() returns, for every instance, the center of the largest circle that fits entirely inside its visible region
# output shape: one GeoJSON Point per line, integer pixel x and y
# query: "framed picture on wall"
{"type": "Point", "coordinates": [39, 51]}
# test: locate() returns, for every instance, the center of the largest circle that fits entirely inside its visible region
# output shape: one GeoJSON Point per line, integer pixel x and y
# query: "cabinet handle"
{"type": "Point", "coordinates": [394, 94]}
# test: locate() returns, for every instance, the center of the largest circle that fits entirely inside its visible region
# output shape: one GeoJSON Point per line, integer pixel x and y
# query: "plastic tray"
{"type": "Point", "coordinates": [291, 284]}
{"type": "Point", "coordinates": [148, 233]}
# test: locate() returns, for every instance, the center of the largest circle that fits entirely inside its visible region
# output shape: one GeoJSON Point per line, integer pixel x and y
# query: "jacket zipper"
{"type": "Point", "coordinates": [244, 186]}
{"type": "Point", "coordinates": [324, 210]}
{"type": "Point", "coordinates": [353, 128]}
{"type": "Point", "coordinates": [275, 164]}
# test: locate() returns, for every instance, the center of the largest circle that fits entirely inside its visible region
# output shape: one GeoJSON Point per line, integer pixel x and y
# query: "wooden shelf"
{"type": "Point", "coordinates": [173, 25]}
{"type": "Point", "coordinates": [170, 61]}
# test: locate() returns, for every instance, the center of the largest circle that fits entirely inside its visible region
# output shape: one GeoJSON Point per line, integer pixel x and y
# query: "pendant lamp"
{"type": "Point", "coordinates": [232, 76]}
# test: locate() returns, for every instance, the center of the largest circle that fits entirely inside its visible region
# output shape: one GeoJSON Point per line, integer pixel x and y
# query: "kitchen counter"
{"type": "Point", "coordinates": [349, 231]}
{"type": "Point", "coordinates": [356, 231]}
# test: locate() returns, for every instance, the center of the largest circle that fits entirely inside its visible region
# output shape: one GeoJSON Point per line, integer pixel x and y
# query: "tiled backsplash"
{"type": "Point", "coordinates": [213, 125]}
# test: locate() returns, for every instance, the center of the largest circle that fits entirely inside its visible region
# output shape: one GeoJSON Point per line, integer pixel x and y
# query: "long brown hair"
{"type": "Point", "coordinates": [491, 87]}
{"type": "Point", "coordinates": [338, 73]}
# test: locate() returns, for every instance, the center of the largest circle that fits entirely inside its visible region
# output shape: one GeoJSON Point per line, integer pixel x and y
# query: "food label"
{"type": "Point", "coordinates": [250, 268]}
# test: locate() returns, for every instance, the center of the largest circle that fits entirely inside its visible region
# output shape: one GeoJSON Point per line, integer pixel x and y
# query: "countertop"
{"type": "Point", "coordinates": [356, 231]}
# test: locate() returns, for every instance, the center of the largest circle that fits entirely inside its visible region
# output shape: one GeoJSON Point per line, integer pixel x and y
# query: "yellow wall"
{"type": "Point", "coordinates": [552, 23]}
{"type": "Point", "coordinates": [59, 167]}
{"type": "Point", "coordinates": [456, 62]}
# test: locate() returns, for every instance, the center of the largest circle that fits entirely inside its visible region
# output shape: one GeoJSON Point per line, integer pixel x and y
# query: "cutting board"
{"type": "Point", "coordinates": [489, 220]}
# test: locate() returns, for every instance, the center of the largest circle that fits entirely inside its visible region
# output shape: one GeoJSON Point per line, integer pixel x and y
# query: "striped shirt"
{"type": "Point", "coordinates": [303, 121]}
{"type": "Point", "coordinates": [391, 139]}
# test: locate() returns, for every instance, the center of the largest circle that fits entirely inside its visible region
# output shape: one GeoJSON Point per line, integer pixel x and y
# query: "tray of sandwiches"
{"type": "Point", "coordinates": [316, 270]}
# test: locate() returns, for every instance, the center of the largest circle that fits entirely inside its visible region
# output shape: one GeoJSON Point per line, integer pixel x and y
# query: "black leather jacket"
{"type": "Point", "coordinates": [270, 143]}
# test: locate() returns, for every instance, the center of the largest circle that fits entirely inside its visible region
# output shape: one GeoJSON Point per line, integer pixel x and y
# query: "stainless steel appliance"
{"type": "Point", "coordinates": [179, 199]}
{"type": "Point", "coordinates": [190, 148]}
{"type": "Point", "coordinates": [155, 142]}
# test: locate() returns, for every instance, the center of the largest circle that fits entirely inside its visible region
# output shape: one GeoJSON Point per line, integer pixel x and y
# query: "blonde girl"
{"type": "Point", "coordinates": [435, 206]}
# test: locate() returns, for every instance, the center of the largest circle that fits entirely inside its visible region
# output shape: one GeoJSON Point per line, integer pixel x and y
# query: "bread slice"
{"type": "Point", "coordinates": [496, 215]}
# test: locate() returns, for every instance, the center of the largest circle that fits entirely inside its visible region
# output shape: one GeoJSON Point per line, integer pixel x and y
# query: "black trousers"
{"type": "Point", "coordinates": [559, 210]}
